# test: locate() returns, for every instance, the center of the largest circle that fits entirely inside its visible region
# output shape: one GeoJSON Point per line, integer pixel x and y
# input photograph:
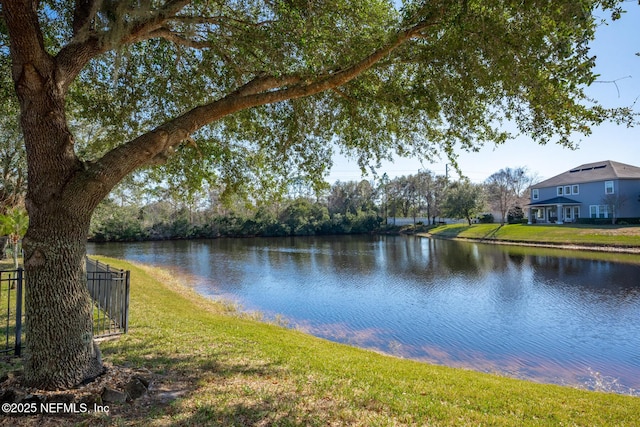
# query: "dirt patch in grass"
{"type": "Point", "coordinates": [622, 231]}
{"type": "Point", "coordinates": [83, 399]}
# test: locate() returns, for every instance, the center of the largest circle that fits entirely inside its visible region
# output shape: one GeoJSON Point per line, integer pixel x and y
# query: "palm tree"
{"type": "Point", "coordinates": [14, 224]}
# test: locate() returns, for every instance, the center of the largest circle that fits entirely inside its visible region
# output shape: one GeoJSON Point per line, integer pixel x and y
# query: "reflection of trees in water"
{"type": "Point", "coordinates": [421, 259]}
{"type": "Point", "coordinates": [586, 273]}
{"type": "Point", "coordinates": [425, 258]}
{"type": "Point", "coordinates": [433, 257]}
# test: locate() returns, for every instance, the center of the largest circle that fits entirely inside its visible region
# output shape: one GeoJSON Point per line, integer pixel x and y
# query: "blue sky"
{"type": "Point", "coordinates": [615, 47]}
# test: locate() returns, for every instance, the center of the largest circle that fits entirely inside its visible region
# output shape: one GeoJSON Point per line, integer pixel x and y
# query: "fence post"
{"type": "Point", "coordinates": [126, 301]}
{"type": "Point", "coordinates": [18, 341]}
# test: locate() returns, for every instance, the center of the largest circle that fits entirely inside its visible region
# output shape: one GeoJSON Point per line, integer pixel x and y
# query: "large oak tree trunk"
{"type": "Point", "coordinates": [60, 350]}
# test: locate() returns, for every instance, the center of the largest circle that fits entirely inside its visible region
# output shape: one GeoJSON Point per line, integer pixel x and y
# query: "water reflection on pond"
{"type": "Point", "coordinates": [545, 315]}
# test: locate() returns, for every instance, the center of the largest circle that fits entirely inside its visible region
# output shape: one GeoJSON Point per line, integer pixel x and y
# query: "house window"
{"type": "Point", "coordinates": [608, 187]}
{"type": "Point", "coordinates": [559, 191]}
{"type": "Point", "coordinates": [575, 189]}
{"type": "Point", "coordinates": [567, 190]}
{"type": "Point", "coordinates": [571, 213]}
{"type": "Point", "coordinates": [535, 195]}
{"type": "Point", "coordinates": [600, 211]}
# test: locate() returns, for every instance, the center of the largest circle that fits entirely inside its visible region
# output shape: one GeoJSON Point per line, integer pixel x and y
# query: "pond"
{"type": "Point", "coordinates": [548, 316]}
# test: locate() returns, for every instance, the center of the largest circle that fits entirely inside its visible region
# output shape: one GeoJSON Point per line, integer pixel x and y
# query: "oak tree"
{"type": "Point", "coordinates": [244, 91]}
{"type": "Point", "coordinates": [464, 199]}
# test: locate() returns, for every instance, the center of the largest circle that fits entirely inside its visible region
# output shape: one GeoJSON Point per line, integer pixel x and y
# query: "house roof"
{"type": "Point", "coordinates": [590, 172]}
{"type": "Point", "coordinates": [556, 201]}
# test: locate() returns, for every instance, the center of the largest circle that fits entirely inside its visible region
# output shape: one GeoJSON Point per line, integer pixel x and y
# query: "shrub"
{"type": "Point", "coordinates": [486, 219]}
{"type": "Point", "coordinates": [515, 215]}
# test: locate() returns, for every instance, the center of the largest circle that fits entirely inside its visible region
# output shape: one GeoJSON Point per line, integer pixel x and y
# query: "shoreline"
{"type": "Point", "coordinates": [567, 246]}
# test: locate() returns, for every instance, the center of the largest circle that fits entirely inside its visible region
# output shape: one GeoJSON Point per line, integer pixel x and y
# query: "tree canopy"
{"type": "Point", "coordinates": [464, 200]}
{"type": "Point", "coordinates": [431, 77]}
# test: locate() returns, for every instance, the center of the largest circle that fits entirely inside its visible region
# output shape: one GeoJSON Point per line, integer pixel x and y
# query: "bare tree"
{"type": "Point", "coordinates": [507, 188]}
{"type": "Point", "coordinates": [614, 202]}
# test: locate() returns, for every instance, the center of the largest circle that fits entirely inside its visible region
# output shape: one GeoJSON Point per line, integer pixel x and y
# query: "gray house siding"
{"type": "Point", "coordinates": [596, 190]}
{"type": "Point", "coordinates": [630, 191]}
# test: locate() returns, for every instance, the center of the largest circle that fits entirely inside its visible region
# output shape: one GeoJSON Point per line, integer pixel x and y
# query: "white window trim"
{"type": "Point", "coordinates": [567, 190]}
{"type": "Point", "coordinates": [535, 194]}
{"type": "Point", "coordinates": [607, 185]}
{"type": "Point", "coordinates": [604, 209]}
{"type": "Point", "coordinates": [574, 213]}
{"type": "Point", "coordinates": [559, 190]}
{"type": "Point", "coordinates": [575, 189]}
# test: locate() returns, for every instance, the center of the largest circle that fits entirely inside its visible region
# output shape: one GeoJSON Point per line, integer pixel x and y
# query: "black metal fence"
{"type": "Point", "coordinates": [11, 314]}
{"type": "Point", "coordinates": [109, 290]}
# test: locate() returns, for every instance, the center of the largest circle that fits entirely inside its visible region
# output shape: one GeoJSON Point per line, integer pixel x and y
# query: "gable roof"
{"type": "Point", "coordinates": [590, 172]}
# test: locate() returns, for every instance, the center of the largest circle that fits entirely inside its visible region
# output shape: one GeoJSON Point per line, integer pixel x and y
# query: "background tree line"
{"type": "Point", "coordinates": [134, 211]}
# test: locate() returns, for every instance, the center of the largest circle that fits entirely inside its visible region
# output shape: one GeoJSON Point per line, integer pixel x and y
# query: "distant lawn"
{"type": "Point", "coordinates": [7, 264]}
{"type": "Point", "coordinates": [603, 235]}
{"type": "Point", "coordinates": [231, 370]}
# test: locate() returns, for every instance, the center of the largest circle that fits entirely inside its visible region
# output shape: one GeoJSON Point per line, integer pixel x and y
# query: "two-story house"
{"type": "Point", "coordinates": [604, 189]}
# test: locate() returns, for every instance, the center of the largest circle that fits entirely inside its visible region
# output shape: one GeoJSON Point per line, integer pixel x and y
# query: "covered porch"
{"type": "Point", "coordinates": [558, 210]}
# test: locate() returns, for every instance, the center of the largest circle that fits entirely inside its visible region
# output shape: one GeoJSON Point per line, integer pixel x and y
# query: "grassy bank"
{"type": "Point", "coordinates": [566, 234]}
{"type": "Point", "coordinates": [213, 366]}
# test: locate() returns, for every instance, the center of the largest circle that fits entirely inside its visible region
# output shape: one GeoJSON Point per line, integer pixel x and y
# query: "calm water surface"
{"type": "Point", "coordinates": [515, 311]}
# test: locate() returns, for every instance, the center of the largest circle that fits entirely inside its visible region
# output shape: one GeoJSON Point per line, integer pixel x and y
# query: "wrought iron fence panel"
{"type": "Point", "coordinates": [11, 315]}
{"type": "Point", "coordinates": [109, 290]}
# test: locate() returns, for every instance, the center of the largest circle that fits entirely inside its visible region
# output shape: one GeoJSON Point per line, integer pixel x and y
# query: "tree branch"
{"type": "Point", "coordinates": [339, 78]}
{"type": "Point", "coordinates": [156, 145]}
{"type": "Point", "coordinates": [217, 20]}
{"type": "Point", "coordinates": [264, 83]}
{"type": "Point", "coordinates": [176, 38]}
{"type": "Point", "coordinates": [172, 7]}
{"type": "Point", "coordinates": [85, 44]}
{"type": "Point", "coordinates": [26, 39]}
{"type": "Point", "coordinates": [83, 13]}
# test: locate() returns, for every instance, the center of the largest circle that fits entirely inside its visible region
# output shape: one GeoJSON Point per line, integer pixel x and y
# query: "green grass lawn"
{"type": "Point", "coordinates": [605, 235]}
{"type": "Point", "coordinates": [230, 369]}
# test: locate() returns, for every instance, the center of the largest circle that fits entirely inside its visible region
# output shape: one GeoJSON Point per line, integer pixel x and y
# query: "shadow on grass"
{"type": "Point", "coordinates": [217, 384]}
{"type": "Point", "coordinates": [452, 231]}
{"type": "Point", "coordinates": [492, 234]}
